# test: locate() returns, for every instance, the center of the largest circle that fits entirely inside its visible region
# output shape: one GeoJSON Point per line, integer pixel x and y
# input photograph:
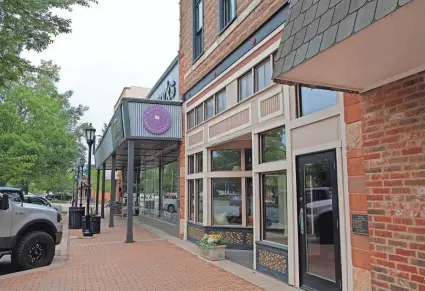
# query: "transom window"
{"type": "Point", "coordinates": [273, 145]}
{"type": "Point", "coordinates": [227, 12]}
{"type": "Point", "coordinates": [312, 100]}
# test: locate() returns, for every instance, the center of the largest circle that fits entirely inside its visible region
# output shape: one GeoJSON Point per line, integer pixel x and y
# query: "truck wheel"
{"type": "Point", "coordinates": [35, 249]}
{"type": "Point", "coordinates": [171, 208]}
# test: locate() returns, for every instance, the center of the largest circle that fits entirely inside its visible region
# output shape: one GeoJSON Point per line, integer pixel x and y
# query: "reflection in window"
{"type": "Point", "coordinates": [226, 160]}
{"type": "Point", "coordinates": [191, 164]}
{"type": "Point", "coordinates": [199, 163]}
{"type": "Point", "coordinates": [249, 202]}
{"type": "Point", "coordinates": [200, 200]}
{"type": "Point", "coordinates": [191, 190]}
{"type": "Point", "coordinates": [245, 86]}
{"type": "Point", "coordinates": [262, 75]}
{"type": "Point", "coordinates": [199, 114]}
{"type": "Point", "coordinates": [275, 219]}
{"type": "Point", "coordinates": [248, 159]}
{"type": "Point", "coordinates": [312, 100]}
{"type": "Point", "coordinates": [226, 201]}
{"type": "Point", "coordinates": [209, 108]}
{"type": "Point", "coordinates": [220, 101]}
{"type": "Point", "coordinates": [191, 119]}
{"type": "Point", "coordinates": [273, 145]}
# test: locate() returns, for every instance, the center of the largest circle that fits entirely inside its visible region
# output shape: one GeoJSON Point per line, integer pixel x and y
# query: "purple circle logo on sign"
{"type": "Point", "coordinates": [156, 120]}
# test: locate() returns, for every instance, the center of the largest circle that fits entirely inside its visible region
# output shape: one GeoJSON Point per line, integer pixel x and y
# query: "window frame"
{"type": "Point", "coordinates": [212, 98]}
{"type": "Point", "coordinates": [263, 227]}
{"type": "Point", "coordinates": [243, 211]}
{"type": "Point", "coordinates": [191, 164]}
{"type": "Point", "coordinates": [220, 93]}
{"type": "Point", "coordinates": [196, 198]}
{"type": "Point", "coordinates": [198, 33]}
{"type": "Point", "coordinates": [190, 119]}
{"type": "Point", "coordinates": [263, 62]}
{"type": "Point", "coordinates": [249, 72]}
{"type": "Point", "coordinates": [261, 145]}
{"type": "Point", "coordinates": [199, 108]}
{"type": "Point", "coordinates": [223, 25]}
{"type": "Point", "coordinates": [298, 98]}
{"type": "Point", "coordinates": [189, 183]}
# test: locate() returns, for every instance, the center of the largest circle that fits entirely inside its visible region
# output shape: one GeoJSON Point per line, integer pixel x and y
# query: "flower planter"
{"type": "Point", "coordinates": [214, 253]}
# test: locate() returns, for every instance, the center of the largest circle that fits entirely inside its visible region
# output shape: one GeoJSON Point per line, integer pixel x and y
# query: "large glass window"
{"type": "Point", "coordinates": [226, 201]}
{"type": "Point", "coordinates": [275, 215]}
{"type": "Point", "coordinates": [199, 163]}
{"type": "Point", "coordinates": [262, 75]}
{"type": "Point", "coordinates": [312, 100]}
{"type": "Point", "coordinates": [220, 101]}
{"type": "Point", "coordinates": [273, 145]}
{"type": "Point", "coordinates": [227, 12]}
{"type": "Point", "coordinates": [198, 46]}
{"type": "Point", "coordinates": [245, 86]}
{"type": "Point", "coordinates": [199, 114]}
{"type": "Point", "coordinates": [191, 164]}
{"type": "Point", "coordinates": [191, 188]}
{"type": "Point", "coordinates": [191, 119]}
{"type": "Point", "coordinates": [226, 160]}
{"type": "Point", "coordinates": [209, 108]}
{"type": "Point", "coordinates": [200, 200]}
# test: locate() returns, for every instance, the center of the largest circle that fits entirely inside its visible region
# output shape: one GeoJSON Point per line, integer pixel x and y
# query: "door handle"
{"type": "Point", "coordinates": [301, 220]}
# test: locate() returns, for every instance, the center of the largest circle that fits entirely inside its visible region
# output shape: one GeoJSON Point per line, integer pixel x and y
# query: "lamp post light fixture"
{"type": "Point", "coordinates": [90, 136]}
{"type": "Point", "coordinates": [81, 165]}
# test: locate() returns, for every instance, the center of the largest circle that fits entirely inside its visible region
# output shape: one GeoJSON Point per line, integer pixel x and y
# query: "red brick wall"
{"type": "Point", "coordinates": [211, 32]}
{"type": "Point", "coordinates": [392, 152]}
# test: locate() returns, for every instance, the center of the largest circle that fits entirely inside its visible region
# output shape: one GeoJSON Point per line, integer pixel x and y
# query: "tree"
{"type": "Point", "coordinates": [29, 25]}
{"type": "Point", "coordinates": [40, 130]}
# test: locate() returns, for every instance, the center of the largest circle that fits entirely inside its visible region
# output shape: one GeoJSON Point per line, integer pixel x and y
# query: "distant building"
{"type": "Point", "coordinates": [132, 92]}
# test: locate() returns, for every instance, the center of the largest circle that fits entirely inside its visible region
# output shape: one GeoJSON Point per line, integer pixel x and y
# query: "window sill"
{"type": "Point", "coordinates": [223, 29]}
{"type": "Point", "coordinates": [197, 58]}
{"type": "Point", "coordinates": [230, 226]}
{"type": "Point", "coordinates": [272, 245]}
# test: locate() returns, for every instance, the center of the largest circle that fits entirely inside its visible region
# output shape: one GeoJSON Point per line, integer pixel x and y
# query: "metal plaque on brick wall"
{"type": "Point", "coordinates": [359, 223]}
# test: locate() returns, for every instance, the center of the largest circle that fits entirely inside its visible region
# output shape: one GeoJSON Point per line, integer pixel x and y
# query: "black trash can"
{"type": "Point", "coordinates": [75, 217]}
{"type": "Point", "coordinates": [94, 223]}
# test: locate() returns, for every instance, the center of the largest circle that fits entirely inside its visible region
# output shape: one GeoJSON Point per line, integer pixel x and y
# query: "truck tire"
{"type": "Point", "coordinates": [35, 249]}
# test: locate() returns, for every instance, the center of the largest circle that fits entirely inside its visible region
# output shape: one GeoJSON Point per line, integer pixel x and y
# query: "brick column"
{"type": "Point", "coordinates": [389, 125]}
{"type": "Point", "coordinates": [360, 251]}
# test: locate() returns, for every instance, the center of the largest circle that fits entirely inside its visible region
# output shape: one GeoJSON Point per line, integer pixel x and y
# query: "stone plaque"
{"type": "Point", "coordinates": [360, 224]}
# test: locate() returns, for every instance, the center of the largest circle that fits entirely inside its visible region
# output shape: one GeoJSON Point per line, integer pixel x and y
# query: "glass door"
{"type": "Point", "coordinates": [318, 222]}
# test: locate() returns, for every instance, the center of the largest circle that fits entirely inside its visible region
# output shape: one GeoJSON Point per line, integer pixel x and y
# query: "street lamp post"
{"type": "Point", "coordinates": [82, 161]}
{"type": "Point", "coordinates": [90, 134]}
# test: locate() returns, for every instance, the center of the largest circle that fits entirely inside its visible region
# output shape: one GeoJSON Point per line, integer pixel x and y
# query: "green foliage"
{"type": "Point", "coordinates": [209, 241]}
{"type": "Point", "coordinates": [40, 132]}
{"type": "Point", "coordinates": [226, 160]}
{"type": "Point", "coordinates": [29, 25]}
{"type": "Point", "coordinates": [94, 181]}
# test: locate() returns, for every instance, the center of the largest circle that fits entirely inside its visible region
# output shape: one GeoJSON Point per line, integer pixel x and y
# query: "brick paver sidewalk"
{"type": "Point", "coordinates": [105, 263]}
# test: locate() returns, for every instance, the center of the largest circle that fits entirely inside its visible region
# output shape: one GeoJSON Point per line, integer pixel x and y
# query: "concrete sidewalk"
{"type": "Point", "coordinates": [154, 262]}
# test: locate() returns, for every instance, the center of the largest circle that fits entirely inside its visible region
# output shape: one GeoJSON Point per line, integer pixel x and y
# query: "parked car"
{"type": "Point", "coordinates": [319, 214]}
{"type": "Point", "coordinates": [29, 232]}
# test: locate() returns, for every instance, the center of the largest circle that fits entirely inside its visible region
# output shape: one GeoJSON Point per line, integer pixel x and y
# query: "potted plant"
{"type": "Point", "coordinates": [212, 247]}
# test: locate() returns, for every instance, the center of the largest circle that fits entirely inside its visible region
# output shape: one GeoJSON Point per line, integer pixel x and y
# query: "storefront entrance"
{"type": "Point", "coordinates": [318, 223]}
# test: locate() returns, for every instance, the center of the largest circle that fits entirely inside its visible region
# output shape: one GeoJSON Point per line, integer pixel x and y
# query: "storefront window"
{"type": "Point", "coordinates": [226, 160]}
{"type": "Point", "coordinates": [209, 108]}
{"type": "Point", "coordinates": [312, 100]}
{"type": "Point", "coordinates": [273, 145]}
{"type": "Point", "coordinates": [275, 219]}
{"type": "Point", "coordinates": [200, 200]}
{"type": "Point", "coordinates": [226, 201]}
{"type": "Point", "coordinates": [248, 160]}
{"type": "Point", "coordinates": [191, 190]}
{"type": "Point", "coordinates": [199, 163]}
{"type": "Point", "coordinates": [249, 202]}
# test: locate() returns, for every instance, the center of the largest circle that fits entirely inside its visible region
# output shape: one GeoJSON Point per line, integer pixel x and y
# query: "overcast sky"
{"type": "Point", "coordinates": [114, 44]}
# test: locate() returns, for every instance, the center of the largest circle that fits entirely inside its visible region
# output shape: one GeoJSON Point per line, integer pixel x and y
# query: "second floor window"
{"type": "Point", "coordinates": [245, 86]}
{"type": "Point", "coordinates": [220, 101]}
{"type": "Point", "coordinates": [191, 119]}
{"type": "Point", "coordinates": [199, 117]}
{"type": "Point", "coordinates": [198, 29]}
{"type": "Point", "coordinates": [209, 108]}
{"type": "Point", "coordinates": [262, 75]}
{"type": "Point", "coordinates": [227, 12]}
